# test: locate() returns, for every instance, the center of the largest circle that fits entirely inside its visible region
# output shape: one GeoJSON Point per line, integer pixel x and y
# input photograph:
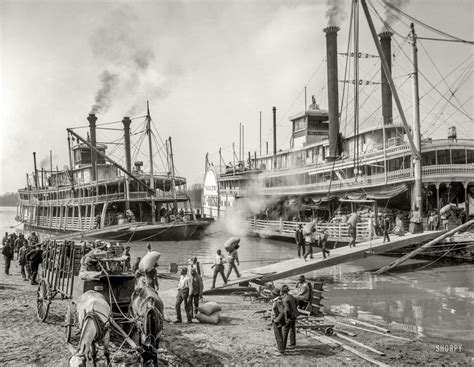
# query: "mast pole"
{"type": "Point", "coordinates": [150, 148]}
{"type": "Point", "coordinates": [387, 72]}
{"type": "Point", "coordinates": [417, 187]}
{"type": "Point", "coordinates": [233, 158]}
{"type": "Point", "coordinates": [71, 166]}
{"type": "Point", "coordinates": [356, 87]}
{"type": "Point", "coordinates": [260, 133]}
{"type": "Point", "coordinates": [240, 141]}
{"type": "Point", "coordinates": [173, 181]}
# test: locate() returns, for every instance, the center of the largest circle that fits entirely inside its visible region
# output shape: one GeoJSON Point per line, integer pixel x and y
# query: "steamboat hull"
{"type": "Point", "coordinates": [129, 233]}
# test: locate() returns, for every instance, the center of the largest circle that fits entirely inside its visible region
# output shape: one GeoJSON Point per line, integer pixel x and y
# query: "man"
{"type": "Point", "coordinates": [278, 320]}
{"type": "Point", "coordinates": [232, 259]}
{"type": "Point", "coordinates": [194, 264]}
{"type": "Point", "coordinates": [128, 261]}
{"type": "Point", "coordinates": [148, 278]}
{"type": "Point", "coordinates": [303, 292]}
{"type": "Point", "coordinates": [416, 222]}
{"type": "Point", "coordinates": [8, 252]}
{"type": "Point", "coordinates": [324, 242]}
{"type": "Point", "coordinates": [195, 290]}
{"type": "Point", "coordinates": [218, 267]}
{"type": "Point", "coordinates": [291, 311]}
{"type": "Point", "coordinates": [183, 296]}
{"type": "Point", "coordinates": [22, 261]}
{"type": "Point", "coordinates": [148, 247]}
{"type": "Point", "coordinates": [18, 244]}
{"type": "Point", "coordinates": [299, 238]}
{"type": "Point", "coordinates": [386, 229]}
{"type": "Point", "coordinates": [35, 257]}
{"type": "Point", "coordinates": [353, 234]}
{"type": "Point", "coordinates": [33, 239]}
{"type": "Point", "coordinates": [5, 239]}
{"type": "Point", "coordinates": [309, 245]}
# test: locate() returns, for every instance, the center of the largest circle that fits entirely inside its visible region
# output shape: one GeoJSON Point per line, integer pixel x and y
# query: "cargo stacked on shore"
{"type": "Point", "coordinates": [96, 197]}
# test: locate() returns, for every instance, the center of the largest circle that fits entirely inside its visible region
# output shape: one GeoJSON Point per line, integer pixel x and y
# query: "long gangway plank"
{"type": "Point", "coordinates": [296, 266]}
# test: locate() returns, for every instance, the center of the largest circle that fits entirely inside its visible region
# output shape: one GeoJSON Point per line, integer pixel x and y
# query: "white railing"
{"type": "Point", "coordinates": [336, 231]}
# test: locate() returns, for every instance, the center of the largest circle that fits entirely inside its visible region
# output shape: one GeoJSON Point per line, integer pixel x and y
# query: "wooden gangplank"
{"type": "Point", "coordinates": [297, 266]}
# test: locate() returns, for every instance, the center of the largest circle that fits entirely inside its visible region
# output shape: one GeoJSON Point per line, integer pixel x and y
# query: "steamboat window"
{"type": "Point", "coordinates": [443, 156]}
{"type": "Point", "coordinates": [470, 156]}
{"type": "Point", "coordinates": [429, 158]}
{"type": "Point", "coordinates": [458, 156]}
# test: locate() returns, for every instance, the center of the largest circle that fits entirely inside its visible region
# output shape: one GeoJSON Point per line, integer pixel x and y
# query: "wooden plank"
{"type": "Point", "coordinates": [364, 356]}
{"type": "Point", "coordinates": [374, 332]}
{"type": "Point", "coordinates": [360, 344]}
{"type": "Point", "coordinates": [297, 266]}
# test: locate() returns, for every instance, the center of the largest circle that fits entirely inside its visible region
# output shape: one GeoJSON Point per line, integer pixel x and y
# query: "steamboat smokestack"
{"type": "Point", "coordinates": [274, 136]}
{"type": "Point", "coordinates": [385, 42]}
{"type": "Point", "coordinates": [333, 92]}
{"type": "Point", "coordinates": [36, 170]}
{"type": "Point", "coordinates": [92, 120]}
{"type": "Point", "coordinates": [126, 134]}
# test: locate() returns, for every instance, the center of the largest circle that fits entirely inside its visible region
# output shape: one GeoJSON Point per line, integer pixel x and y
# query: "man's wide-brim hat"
{"type": "Point", "coordinates": [275, 292]}
{"type": "Point", "coordinates": [302, 277]}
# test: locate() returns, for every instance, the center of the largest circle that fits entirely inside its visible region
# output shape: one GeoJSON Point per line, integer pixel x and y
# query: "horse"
{"type": "Point", "coordinates": [94, 313]}
{"type": "Point", "coordinates": [147, 308]}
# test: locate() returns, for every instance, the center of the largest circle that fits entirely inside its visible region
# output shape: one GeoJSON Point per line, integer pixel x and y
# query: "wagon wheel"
{"type": "Point", "coordinates": [68, 323]}
{"type": "Point", "coordinates": [42, 300]}
{"type": "Point", "coordinates": [329, 331]}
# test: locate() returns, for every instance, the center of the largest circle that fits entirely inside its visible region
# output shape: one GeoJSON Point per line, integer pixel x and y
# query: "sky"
{"type": "Point", "coordinates": [205, 67]}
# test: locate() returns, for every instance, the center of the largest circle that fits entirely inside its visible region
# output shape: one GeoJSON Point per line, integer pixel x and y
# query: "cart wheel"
{"type": "Point", "coordinates": [329, 331]}
{"type": "Point", "coordinates": [68, 323]}
{"type": "Point", "coordinates": [42, 300]}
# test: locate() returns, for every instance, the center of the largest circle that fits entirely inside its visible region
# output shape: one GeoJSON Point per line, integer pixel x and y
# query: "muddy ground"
{"type": "Point", "coordinates": [240, 338]}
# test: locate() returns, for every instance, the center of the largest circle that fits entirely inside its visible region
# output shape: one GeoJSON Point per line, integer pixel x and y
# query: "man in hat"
{"type": "Point", "coordinates": [278, 320]}
{"type": "Point", "coordinates": [194, 264]}
{"type": "Point", "coordinates": [324, 242]}
{"type": "Point", "coordinates": [8, 252]}
{"type": "Point", "coordinates": [183, 296]}
{"type": "Point", "coordinates": [128, 261]}
{"type": "Point", "coordinates": [233, 258]}
{"type": "Point", "coordinates": [299, 238]}
{"type": "Point", "coordinates": [291, 311]}
{"type": "Point", "coordinates": [195, 290]}
{"type": "Point", "coordinates": [303, 292]}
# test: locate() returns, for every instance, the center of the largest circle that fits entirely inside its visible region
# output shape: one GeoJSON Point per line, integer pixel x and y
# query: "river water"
{"type": "Point", "coordinates": [436, 303]}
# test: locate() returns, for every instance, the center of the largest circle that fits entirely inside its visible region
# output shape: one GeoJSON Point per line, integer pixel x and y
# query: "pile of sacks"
{"type": "Point", "coordinates": [209, 313]}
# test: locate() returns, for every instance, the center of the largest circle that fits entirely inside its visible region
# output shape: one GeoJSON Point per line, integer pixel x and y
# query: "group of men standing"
{"type": "Point", "coordinates": [190, 288]}
{"type": "Point", "coordinates": [28, 251]}
{"type": "Point", "coordinates": [305, 245]}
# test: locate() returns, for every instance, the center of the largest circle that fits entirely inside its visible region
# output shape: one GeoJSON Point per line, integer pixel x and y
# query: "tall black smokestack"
{"type": "Point", "coordinates": [92, 119]}
{"type": "Point", "coordinates": [333, 92]}
{"type": "Point", "coordinates": [386, 43]}
{"type": "Point", "coordinates": [36, 170]}
{"type": "Point", "coordinates": [274, 136]}
{"type": "Point", "coordinates": [126, 134]}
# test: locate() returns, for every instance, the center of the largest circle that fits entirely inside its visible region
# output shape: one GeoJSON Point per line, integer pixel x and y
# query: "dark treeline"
{"type": "Point", "coordinates": [9, 199]}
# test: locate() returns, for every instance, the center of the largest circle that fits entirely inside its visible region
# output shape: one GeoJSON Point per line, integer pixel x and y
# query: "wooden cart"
{"type": "Point", "coordinates": [60, 280]}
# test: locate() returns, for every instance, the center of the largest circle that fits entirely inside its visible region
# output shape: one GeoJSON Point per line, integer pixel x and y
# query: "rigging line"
{"type": "Point", "coordinates": [439, 73]}
{"type": "Point", "coordinates": [461, 82]}
{"type": "Point", "coordinates": [452, 72]}
{"type": "Point", "coordinates": [468, 133]}
{"type": "Point", "coordinates": [444, 40]}
{"type": "Point", "coordinates": [386, 25]}
{"type": "Point", "coordinates": [422, 23]}
{"type": "Point", "coordinates": [160, 150]}
{"type": "Point", "coordinates": [431, 84]}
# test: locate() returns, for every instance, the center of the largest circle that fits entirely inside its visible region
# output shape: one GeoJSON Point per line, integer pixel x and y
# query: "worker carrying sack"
{"type": "Point", "coordinates": [148, 261]}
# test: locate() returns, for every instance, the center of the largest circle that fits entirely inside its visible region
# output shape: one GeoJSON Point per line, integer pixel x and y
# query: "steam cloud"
{"type": "Point", "coordinates": [335, 12]}
{"type": "Point", "coordinates": [390, 17]}
{"type": "Point", "coordinates": [120, 43]}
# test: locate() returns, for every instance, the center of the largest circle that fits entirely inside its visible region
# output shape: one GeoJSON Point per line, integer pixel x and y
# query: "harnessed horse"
{"type": "Point", "coordinates": [94, 313]}
{"type": "Point", "coordinates": [147, 309]}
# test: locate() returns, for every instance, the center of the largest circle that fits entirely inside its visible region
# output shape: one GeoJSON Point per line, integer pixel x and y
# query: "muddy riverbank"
{"type": "Point", "coordinates": [241, 337]}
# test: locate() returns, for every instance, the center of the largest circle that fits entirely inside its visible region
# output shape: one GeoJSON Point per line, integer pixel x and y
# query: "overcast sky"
{"type": "Point", "coordinates": [205, 66]}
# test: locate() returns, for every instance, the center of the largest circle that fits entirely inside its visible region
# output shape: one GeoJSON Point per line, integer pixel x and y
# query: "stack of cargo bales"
{"type": "Point", "coordinates": [209, 313]}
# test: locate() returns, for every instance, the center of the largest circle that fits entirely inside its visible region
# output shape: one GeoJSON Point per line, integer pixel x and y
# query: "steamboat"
{"type": "Point", "coordinates": [96, 197]}
{"type": "Point", "coordinates": [388, 168]}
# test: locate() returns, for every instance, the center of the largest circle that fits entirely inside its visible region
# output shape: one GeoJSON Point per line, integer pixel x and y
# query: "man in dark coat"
{"type": "Point", "coordinates": [278, 320]}
{"type": "Point", "coordinates": [291, 311]}
{"type": "Point", "coordinates": [195, 290]}
{"type": "Point", "coordinates": [8, 252]}
{"type": "Point", "coordinates": [299, 238]}
{"type": "Point", "coordinates": [35, 257]}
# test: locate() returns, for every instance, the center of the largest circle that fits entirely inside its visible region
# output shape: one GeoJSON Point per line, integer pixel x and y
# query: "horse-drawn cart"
{"type": "Point", "coordinates": [62, 279]}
